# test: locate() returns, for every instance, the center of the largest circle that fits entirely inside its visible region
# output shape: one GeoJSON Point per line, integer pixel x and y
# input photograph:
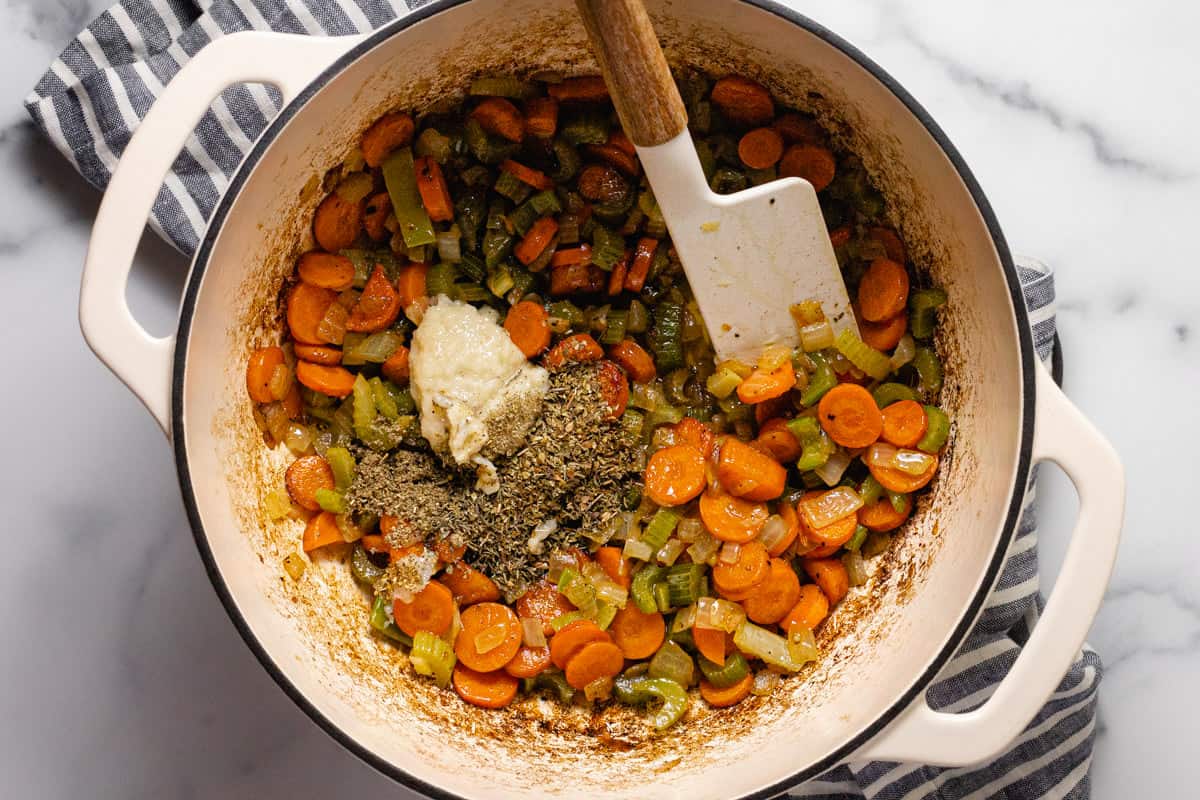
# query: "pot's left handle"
{"type": "Point", "coordinates": [142, 361]}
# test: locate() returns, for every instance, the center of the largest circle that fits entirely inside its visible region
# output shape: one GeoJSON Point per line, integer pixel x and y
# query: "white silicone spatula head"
{"type": "Point", "coordinates": [748, 256]}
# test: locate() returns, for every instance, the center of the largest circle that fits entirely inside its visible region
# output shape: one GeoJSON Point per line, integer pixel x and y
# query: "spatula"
{"type": "Point", "coordinates": [748, 256]}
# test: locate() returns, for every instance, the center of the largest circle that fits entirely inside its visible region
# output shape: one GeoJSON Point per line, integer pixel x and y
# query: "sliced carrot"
{"type": "Point", "coordinates": [389, 132]}
{"type": "Point", "coordinates": [823, 551]}
{"type": "Point", "coordinates": [675, 475]}
{"type": "Point", "coordinates": [743, 101]}
{"type": "Point", "coordinates": [884, 335]}
{"type": "Point", "coordinates": [811, 607]}
{"type": "Point", "coordinates": [544, 602]}
{"type": "Point", "coordinates": [638, 634]}
{"type": "Point", "coordinates": [812, 162]}
{"type": "Point", "coordinates": [541, 116]}
{"type": "Point", "coordinates": [578, 348]}
{"type": "Point", "coordinates": [745, 472]}
{"type": "Point", "coordinates": [574, 278]}
{"type": "Point", "coordinates": [614, 388]}
{"type": "Point", "coordinates": [761, 148]}
{"type": "Point", "coordinates": [904, 423]}
{"type": "Point", "coordinates": [749, 570]}
{"type": "Point", "coordinates": [396, 368]}
{"type": "Point", "coordinates": [711, 643]}
{"type": "Point", "coordinates": [326, 270]}
{"type": "Point", "coordinates": [378, 306]}
{"type": "Point", "coordinates": [536, 240]}
{"type": "Point", "coordinates": [614, 157]}
{"type": "Point", "coordinates": [601, 183]}
{"type": "Point", "coordinates": [834, 535]}
{"type": "Point", "coordinates": [585, 89]}
{"type": "Point", "coordinates": [594, 661]}
{"type": "Point", "coordinates": [501, 118]}
{"type": "Point", "coordinates": [304, 477]}
{"type": "Point", "coordinates": [411, 283]}
{"type": "Point", "coordinates": [771, 600]}
{"type": "Point", "coordinates": [449, 553]}
{"type": "Point", "coordinates": [882, 515]}
{"type": "Point", "coordinates": [883, 291]}
{"type": "Point", "coordinates": [731, 519]}
{"type": "Point", "coordinates": [769, 409]}
{"type": "Point", "coordinates": [893, 245]}
{"type": "Point", "coordinates": [849, 415]}
{"type": "Point", "coordinates": [431, 609]}
{"type": "Point", "coordinates": [796, 128]}
{"type": "Point", "coordinates": [414, 549]}
{"type": "Point", "coordinates": [315, 354]}
{"type": "Point", "coordinates": [616, 278]}
{"type": "Point", "coordinates": [526, 174]}
{"type": "Point", "coordinates": [639, 269]}
{"type": "Point", "coordinates": [374, 543]}
{"type": "Point", "coordinates": [787, 512]}
{"type": "Point", "coordinates": [322, 530]}
{"type": "Point", "coordinates": [690, 430]}
{"type": "Point", "coordinates": [487, 617]}
{"type": "Point", "coordinates": [763, 385]}
{"type": "Point", "coordinates": [259, 369]}
{"type": "Point", "coordinates": [306, 307]}
{"type": "Point", "coordinates": [776, 439]}
{"type": "Point", "coordinates": [573, 255]}
{"type": "Point", "coordinates": [528, 326]}
{"type": "Point", "coordinates": [333, 381]}
{"type": "Point", "coordinates": [839, 236]}
{"type": "Point", "coordinates": [830, 575]}
{"type": "Point", "coordinates": [337, 223]}
{"type": "Point", "coordinates": [729, 695]}
{"type": "Point", "coordinates": [902, 482]}
{"type": "Point", "coordinates": [484, 689]}
{"type": "Point", "coordinates": [618, 139]}
{"type": "Point", "coordinates": [469, 585]}
{"type": "Point", "coordinates": [435, 194]}
{"type": "Point", "coordinates": [615, 565]}
{"type": "Point", "coordinates": [375, 215]}
{"type": "Point", "coordinates": [529, 662]}
{"type": "Point", "coordinates": [388, 524]}
{"type": "Point", "coordinates": [573, 638]}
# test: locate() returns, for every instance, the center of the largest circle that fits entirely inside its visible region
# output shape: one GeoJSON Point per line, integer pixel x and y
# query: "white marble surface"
{"type": "Point", "coordinates": [122, 676]}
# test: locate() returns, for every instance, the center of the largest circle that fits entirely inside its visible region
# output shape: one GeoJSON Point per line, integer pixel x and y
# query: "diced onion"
{"type": "Point", "coordinates": [834, 467]}
{"type": "Point", "coordinates": [489, 639]}
{"type": "Point", "coordinates": [281, 381]}
{"type": "Point", "coordinates": [774, 357]}
{"type": "Point", "coordinates": [646, 396]}
{"type": "Point", "coordinates": [911, 462]}
{"type": "Point", "coordinates": [689, 529]}
{"type": "Point", "coordinates": [856, 568]}
{"type": "Point", "coordinates": [350, 530]}
{"type": "Point", "coordinates": [670, 552]}
{"type": "Point", "coordinates": [278, 505]}
{"type": "Point", "coordinates": [773, 532]}
{"type": "Point", "coordinates": [765, 682]}
{"type": "Point", "coordinates": [560, 560]}
{"type": "Point", "coordinates": [543, 530]}
{"type": "Point", "coordinates": [298, 438]}
{"type": "Point", "coordinates": [730, 552]}
{"type": "Point", "coordinates": [801, 645]}
{"type": "Point", "coordinates": [449, 245]}
{"type": "Point", "coordinates": [277, 420]}
{"type": "Point", "coordinates": [599, 689]}
{"type": "Point", "coordinates": [704, 549]}
{"type": "Point", "coordinates": [533, 633]}
{"type": "Point", "coordinates": [716, 614]}
{"type": "Point", "coordinates": [636, 548]}
{"type": "Point", "coordinates": [828, 507]}
{"type": "Point", "coordinates": [904, 352]}
{"type": "Point", "coordinates": [684, 618]}
{"type": "Point", "coordinates": [816, 336]}
{"type": "Point", "coordinates": [332, 327]}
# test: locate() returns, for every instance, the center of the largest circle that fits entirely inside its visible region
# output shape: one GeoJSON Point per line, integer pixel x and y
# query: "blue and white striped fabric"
{"type": "Point", "coordinates": [91, 100]}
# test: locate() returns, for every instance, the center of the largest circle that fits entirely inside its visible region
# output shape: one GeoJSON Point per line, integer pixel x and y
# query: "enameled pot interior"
{"type": "Point", "coordinates": [313, 633]}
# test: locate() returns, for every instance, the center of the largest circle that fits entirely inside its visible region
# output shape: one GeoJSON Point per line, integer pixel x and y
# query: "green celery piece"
{"type": "Point", "coordinates": [662, 597]}
{"type": "Point", "coordinates": [641, 589]}
{"type": "Point", "coordinates": [382, 623]}
{"type": "Point", "coordinates": [385, 404]}
{"type": "Point", "coordinates": [661, 526]}
{"type": "Point", "coordinates": [666, 337]}
{"type": "Point", "coordinates": [330, 500]}
{"type": "Point", "coordinates": [685, 584]}
{"type": "Point", "coordinates": [673, 663]}
{"type": "Point", "coordinates": [432, 656]}
{"type": "Point", "coordinates": [937, 432]}
{"type": "Point", "coordinates": [929, 369]}
{"type": "Point", "coordinates": [870, 491]}
{"type": "Point", "coordinates": [400, 177]}
{"type": "Point", "coordinates": [887, 393]}
{"type": "Point", "coordinates": [820, 382]}
{"type": "Point", "coordinates": [724, 675]}
{"type": "Point", "coordinates": [899, 501]}
{"type": "Point", "coordinates": [363, 568]}
{"type": "Point", "coordinates": [856, 541]}
{"type": "Point", "coordinates": [364, 407]}
{"type": "Point", "coordinates": [556, 682]}
{"type": "Point", "coordinates": [674, 697]}
{"type": "Point", "coordinates": [815, 445]}
{"type": "Point", "coordinates": [922, 305]}
{"type": "Point", "coordinates": [342, 463]}
{"type": "Point", "coordinates": [631, 691]}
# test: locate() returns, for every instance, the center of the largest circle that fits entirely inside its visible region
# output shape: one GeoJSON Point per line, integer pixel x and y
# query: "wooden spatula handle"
{"type": "Point", "coordinates": [635, 68]}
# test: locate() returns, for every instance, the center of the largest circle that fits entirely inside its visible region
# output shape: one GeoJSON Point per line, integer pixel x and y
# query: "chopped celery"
{"type": "Point", "coordinates": [900, 501]}
{"type": "Point", "coordinates": [641, 589]}
{"type": "Point", "coordinates": [638, 319]}
{"type": "Point", "coordinates": [661, 527]}
{"type": "Point", "coordinates": [870, 491]}
{"type": "Point", "coordinates": [632, 691]}
{"type": "Point", "coordinates": [402, 397]}
{"type": "Point", "coordinates": [937, 432]}
{"type": "Point", "coordinates": [364, 407]}
{"type": "Point", "coordinates": [585, 126]}
{"type": "Point", "coordinates": [472, 266]}
{"type": "Point", "coordinates": [815, 445]}
{"type": "Point", "coordinates": [545, 202]}
{"type": "Point", "coordinates": [673, 663]}
{"type": "Point", "coordinates": [733, 670]}
{"type": "Point", "coordinates": [375, 348]}
{"type": "Point", "coordinates": [434, 144]}
{"type": "Point", "coordinates": [471, 293]}
{"type": "Point", "coordinates": [862, 355]}
{"type": "Point", "coordinates": [922, 305]}
{"type": "Point", "coordinates": [728, 181]}
{"type": "Point", "coordinates": [875, 544]}
{"type": "Point", "coordinates": [801, 644]}
{"type": "Point", "coordinates": [363, 568]}
{"type": "Point", "coordinates": [567, 162]}
{"type": "Point", "coordinates": [512, 187]}
{"type": "Point", "coordinates": [608, 248]}
{"type": "Point", "coordinates": [887, 393]}
{"type": "Point", "coordinates": [485, 148]}
{"type": "Point", "coordinates": [381, 621]}
{"type": "Point", "coordinates": [722, 383]}
{"type": "Point", "coordinates": [563, 620]}
{"type": "Point", "coordinates": [400, 176]}
{"type": "Point", "coordinates": [342, 463]}
{"type": "Point", "coordinates": [820, 382]}
{"type": "Point", "coordinates": [578, 590]}
{"type": "Point", "coordinates": [666, 337]}
{"type": "Point", "coordinates": [439, 280]}
{"type": "Point", "coordinates": [568, 312]}
{"type": "Point", "coordinates": [470, 213]}
{"type": "Point", "coordinates": [663, 414]}
{"type": "Point", "coordinates": [497, 244]}
{"type": "Point", "coordinates": [856, 541]}
{"type": "Point", "coordinates": [615, 330]}
{"type": "Point", "coordinates": [662, 597]}
{"type": "Point", "coordinates": [500, 280]}
{"type": "Point", "coordinates": [674, 697]}
{"type": "Point", "coordinates": [929, 369]}
{"type": "Point", "coordinates": [605, 613]}
{"type": "Point", "coordinates": [330, 500]}
{"type": "Point", "coordinates": [685, 583]}
{"type": "Point", "coordinates": [432, 656]}
{"type": "Point", "coordinates": [556, 682]}
{"type": "Point", "coordinates": [708, 162]}
{"type": "Point", "coordinates": [761, 643]}
{"type": "Point", "coordinates": [385, 404]}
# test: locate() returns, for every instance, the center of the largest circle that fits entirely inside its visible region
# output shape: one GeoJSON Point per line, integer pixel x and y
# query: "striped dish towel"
{"type": "Point", "coordinates": [92, 98]}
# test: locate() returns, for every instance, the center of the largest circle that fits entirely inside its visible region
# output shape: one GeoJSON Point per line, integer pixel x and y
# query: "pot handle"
{"type": "Point", "coordinates": [142, 361]}
{"type": "Point", "coordinates": [1064, 436]}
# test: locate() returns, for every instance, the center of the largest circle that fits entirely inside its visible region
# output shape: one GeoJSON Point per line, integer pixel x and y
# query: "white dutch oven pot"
{"type": "Point", "coordinates": [887, 641]}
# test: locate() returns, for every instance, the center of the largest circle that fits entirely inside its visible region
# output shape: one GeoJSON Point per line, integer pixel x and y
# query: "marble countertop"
{"type": "Point", "coordinates": [124, 678]}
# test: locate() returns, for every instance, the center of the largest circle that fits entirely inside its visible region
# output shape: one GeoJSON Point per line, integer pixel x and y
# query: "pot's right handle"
{"type": "Point", "coordinates": [142, 361]}
{"type": "Point", "coordinates": [1065, 437]}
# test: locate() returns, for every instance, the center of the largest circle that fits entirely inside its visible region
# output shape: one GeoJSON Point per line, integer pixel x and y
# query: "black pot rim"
{"type": "Point", "coordinates": [204, 251]}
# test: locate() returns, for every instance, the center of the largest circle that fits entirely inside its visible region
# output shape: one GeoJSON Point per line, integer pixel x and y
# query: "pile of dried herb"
{"type": "Point", "coordinates": [575, 467]}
